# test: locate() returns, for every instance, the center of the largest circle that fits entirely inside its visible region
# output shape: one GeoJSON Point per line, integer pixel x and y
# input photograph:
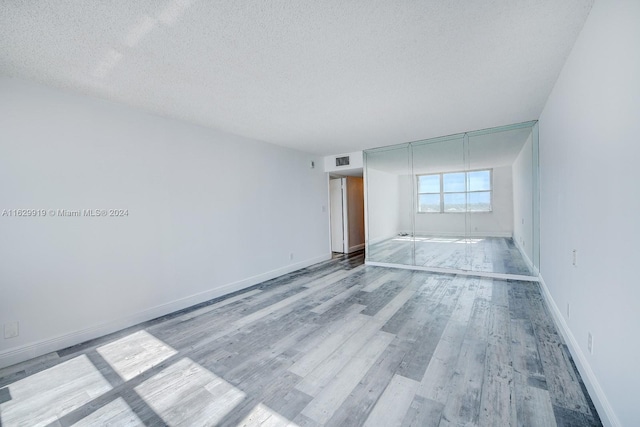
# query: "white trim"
{"type": "Point", "coordinates": [345, 216]}
{"type": "Point", "coordinates": [29, 351]}
{"type": "Point", "coordinates": [600, 401]}
{"type": "Point", "coordinates": [456, 271]}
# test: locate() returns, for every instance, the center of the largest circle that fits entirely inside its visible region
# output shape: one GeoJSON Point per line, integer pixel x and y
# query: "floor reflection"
{"type": "Point", "coordinates": [487, 255]}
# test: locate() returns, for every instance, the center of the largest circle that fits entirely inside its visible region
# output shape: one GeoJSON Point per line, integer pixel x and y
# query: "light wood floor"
{"type": "Point", "coordinates": [484, 254]}
{"type": "Point", "coordinates": [338, 344]}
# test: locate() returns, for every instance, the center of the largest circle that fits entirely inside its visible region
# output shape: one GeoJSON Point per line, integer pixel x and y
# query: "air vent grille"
{"type": "Point", "coordinates": [342, 161]}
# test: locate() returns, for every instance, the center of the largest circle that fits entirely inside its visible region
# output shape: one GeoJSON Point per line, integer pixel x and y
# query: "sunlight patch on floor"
{"type": "Point", "coordinates": [263, 416]}
{"type": "Point", "coordinates": [116, 413]}
{"type": "Point", "coordinates": [45, 396]}
{"type": "Point", "coordinates": [188, 394]}
{"type": "Point", "coordinates": [134, 354]}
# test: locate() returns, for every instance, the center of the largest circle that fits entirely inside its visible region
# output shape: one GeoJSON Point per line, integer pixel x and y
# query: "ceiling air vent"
{"type": "Point", "coordinates": [342, 161]}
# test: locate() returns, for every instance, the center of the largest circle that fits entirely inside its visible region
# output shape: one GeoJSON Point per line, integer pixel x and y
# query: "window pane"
{"type": "Point", "coordinates": [479, 181]}
{"type": "Point", "coordinates": [453, 182]}
{"type": "Point", "coordinates": [480, 202]}
{"type": "Point", "coordinates": [429, 184]}
{"type": "Point", "coordinates": [429, 203]}
{"type": "Point", "coordinates": [454, 202]}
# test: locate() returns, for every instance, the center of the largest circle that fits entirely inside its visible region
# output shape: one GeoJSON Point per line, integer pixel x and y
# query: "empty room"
{"type": "Point", "coordinates": [244, 213]}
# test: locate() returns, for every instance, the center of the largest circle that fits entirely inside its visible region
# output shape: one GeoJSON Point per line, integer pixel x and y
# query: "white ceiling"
{"type": "Point", "coordinates": [320, 76]}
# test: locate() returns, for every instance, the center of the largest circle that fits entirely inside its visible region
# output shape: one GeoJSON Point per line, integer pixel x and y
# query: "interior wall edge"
{"type": "Point", "coordinates": [599, 398]}
{"type": "Point", "coordinates": [23, 353]}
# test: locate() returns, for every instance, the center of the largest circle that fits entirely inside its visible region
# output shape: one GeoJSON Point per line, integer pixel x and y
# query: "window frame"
{"type": "Point", "coordinates": [466, 192]}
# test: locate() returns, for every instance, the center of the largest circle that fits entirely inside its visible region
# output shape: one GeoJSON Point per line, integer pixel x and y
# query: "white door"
{"type": "Point", "coordinates": [337, 220]}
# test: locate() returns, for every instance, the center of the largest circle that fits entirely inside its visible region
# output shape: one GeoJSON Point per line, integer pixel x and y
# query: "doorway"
{"type": "Point", "coordinates": [346, 198]}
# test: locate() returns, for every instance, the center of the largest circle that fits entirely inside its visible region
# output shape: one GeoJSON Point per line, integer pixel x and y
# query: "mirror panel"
{"type": "Point", "coordinates": [389, 191]}
{"type": "Point", "coordinates": [462, 203]}
{"type": "Point", "coordinates": [499, 189]}
{"type": "Point", "coordinates": [438, 168]}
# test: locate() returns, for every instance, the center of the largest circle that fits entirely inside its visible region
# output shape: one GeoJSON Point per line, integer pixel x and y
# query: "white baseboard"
{"type": "Point", "coordinates": [20, 354]}
{"type": "Point", "coordinates": [600, 401]}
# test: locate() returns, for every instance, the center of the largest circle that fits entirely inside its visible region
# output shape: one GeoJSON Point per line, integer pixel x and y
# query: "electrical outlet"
{"type": "Point", "coordinates": [11, 330]}
{"type": "Point", "coordinates": [291, 256]}
{"type": "Point", "coordinates": [590, 343]}
{"type": "Point", "coordinates": [522, 221]}
{"type": "Point", "coordinates": [568, 311]}
{"type": "Point", "coordinates": [574, 257]}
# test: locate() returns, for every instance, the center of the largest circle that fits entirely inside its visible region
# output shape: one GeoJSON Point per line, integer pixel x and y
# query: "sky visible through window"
{"type": "Point", "coordinates": [455, 192]}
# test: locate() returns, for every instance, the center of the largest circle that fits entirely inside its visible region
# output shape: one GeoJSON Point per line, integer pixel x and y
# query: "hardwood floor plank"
{"type": "Point", "coordinates": [463, 402]}
{"type": "Point", "coordinates": [386, 312]}
{"type": "Point", "coordinates": [426, 327]}
{"type": "Point", "coordinates": [394, 403]}
{"type": "Point", "coordinates": [328, 368]}
{"type": "Point", "coordinates": [437, 377]}
{"type": "Point", "coordinates": [498, 401]}
{"type": "Point", "coordinates": [355, 410]}
{"type": "Point", "coordinates": [116, 413]}
{"type": "Point", "coordinates": [524, 353]}
{"type": "Point", "coordinates": [328, 327]}
{"type": "Point", "coordinates": [386, 277]}
{"type": "Point", "coordinates": [423, 413]}
{"type": "Point", "coordinates": [534, 407]}
{"type": "Point", "coordinates": [324, 349]}
{"type": "Point", "coordinates": [323, 406]}
{"type": "Point", "coordinates": [335, 344]}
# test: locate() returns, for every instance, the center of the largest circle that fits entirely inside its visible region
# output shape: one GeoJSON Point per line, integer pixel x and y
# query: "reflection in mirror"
{"type": "Point", "coordinates": [497, 194]}
{"type": "Point", "coordinates": [462, 203]}
{"type": "Point", "coordinates": [388, 191]}
{"type": "Point", "coordinates": [440, 229]}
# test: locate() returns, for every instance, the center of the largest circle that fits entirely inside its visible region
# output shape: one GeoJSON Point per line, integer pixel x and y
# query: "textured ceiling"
{"type": "Point", "coordinates": [320, 76]}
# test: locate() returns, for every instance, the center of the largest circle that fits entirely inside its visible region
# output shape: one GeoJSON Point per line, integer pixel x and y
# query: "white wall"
{"type": "Point", "coordinates": [209, 213]}
{"type": "Point", "coordinates": [522, 200]}
{"type": "Point", "coordinates": [498, 223]}
{"type": "Point", "coordinates": [356, 161]}
{"type": "Point", "coordinates": [590, 200]}
{"type": "Point", "coordinates": [383, 198]}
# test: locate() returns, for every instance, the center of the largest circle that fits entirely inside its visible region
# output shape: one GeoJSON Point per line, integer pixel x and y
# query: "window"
{"type": "Point", "coordinates": [455, 192]}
